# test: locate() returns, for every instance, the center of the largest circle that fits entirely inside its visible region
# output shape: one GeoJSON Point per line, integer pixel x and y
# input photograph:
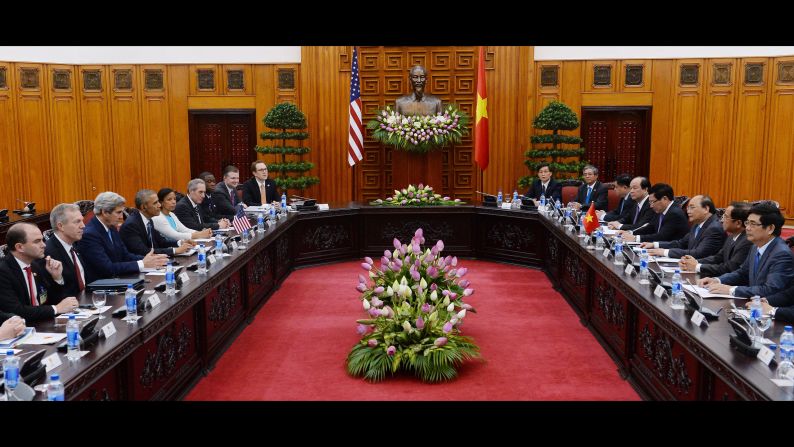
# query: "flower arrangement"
{"type": "Point", "coordinates": [414, 303]}
{"type": "Point", "coordinates": [419, 133]}
{"type": "Point", "coordinates": [416, 196]}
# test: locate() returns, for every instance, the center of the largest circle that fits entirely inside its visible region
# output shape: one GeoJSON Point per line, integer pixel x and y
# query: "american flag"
{"type": "Point", "coordinates": [355, 137]}
{"type": "Point", "coordinates": [240, 222]}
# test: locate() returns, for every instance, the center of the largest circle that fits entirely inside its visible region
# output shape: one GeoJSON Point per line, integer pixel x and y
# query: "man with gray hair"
{"type": "Point", "coordinates": [191, 214]}
{"type": "Point", "coordinates": [103, 251]}
{"type": "Point", "coordinates": [591, 191]}
{"type": "Point", "coordinates": [67, 224]}
{"type": "Point", "coordinates": [138, 231]}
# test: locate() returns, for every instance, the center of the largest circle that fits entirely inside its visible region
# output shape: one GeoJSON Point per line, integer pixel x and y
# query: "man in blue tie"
{"type": "Point", "coordinates": [104, 253]}
{"type": "Point", "coordinates": [591, 191]}
{"type": "Point", "coordinates": [625, 208]}
{"type": "Point", "coordinates": [769, 266]}
{"type": "Point", "coordinates": [705, 238]}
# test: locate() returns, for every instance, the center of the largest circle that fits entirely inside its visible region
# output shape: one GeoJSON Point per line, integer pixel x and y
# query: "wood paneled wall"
{"type": "Point", "coordinates": [727, 132]}
{"type": "Point", "coordinates": [70, 132]}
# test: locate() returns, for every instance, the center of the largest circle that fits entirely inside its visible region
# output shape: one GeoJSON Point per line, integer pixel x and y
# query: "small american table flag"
{"type": "Point", "coordinates": [241, 222]}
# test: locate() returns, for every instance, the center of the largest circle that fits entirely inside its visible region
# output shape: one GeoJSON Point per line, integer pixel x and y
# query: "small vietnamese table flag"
{"type": "Point", "coordinates": [481, 116]}
{"type": "Point", "coordinates": [590, 219]}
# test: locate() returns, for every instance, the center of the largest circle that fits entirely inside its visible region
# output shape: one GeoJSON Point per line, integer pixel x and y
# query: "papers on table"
{"type": "Point", "coordinates": [203, 240]}
{"type": "Point", "coordinates": [666, 259]}
{"type": "Point", "coordinates": [11, 342]}
{"type": "Point", "coordinates": [45, 338]}
{"type": "Point", "coordinates": [608, 231]}
{"type": "Point", "coordinates": [81, 314]}
{"type": "Point", "coordinates": [190, 252]}
{"type": "Point", "coordinates": [703, 292]}
{"type": "Point", "coordinates": [669, 269]}
{"type": "Point", "coordinates": [156, 273]}
{"type": "Point", "coordinates": [257, 209]}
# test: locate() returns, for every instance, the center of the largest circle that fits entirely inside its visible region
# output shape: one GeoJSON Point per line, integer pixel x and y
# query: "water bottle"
{"type": "Point", "coordinates": [55, 388]}
{"type": "Point", "coordinates": [618, 249]}
{"type": "Point", "coordinates": [515, 204]}
{"type": "Point", "coordinates": [567, 219]}
{"type": "Point", "coordinates": [543, 201]}
{"type": "Point", "coordinates": [72, 338]}
{"type": "Point", "coordinates": [11, 371]}
{"type": "Point", "coordinates": [283, 203]}
{"type": "Point", "coordinates": [582, 232]}
{"type": "Point", "coordinates": [756, 309]}
{"type": "Point", "coordinates": [202, 260]}
{"type": "Point", "coordinates": [599, 234]}
{"type": "Point", "coordinates": [220, 247]}
{"type": "Point", "coordinates": [677, 302]}
{"type": "Point", "coordinates": [244, 241]}
{"type": "Point", "coordinates": [499, 199]}
{"type": "Point", "coordinates": [644, 267]}
{"type": "Point", "coordinates": [785, 365]}
{"type": "Point", "coordinates": [131, 300]}
{"type": "Point", "coordinates": [170, 281]}
{"type": "Point", "coordinates": [260, 223]}
{"type": "Point", "coordinates": [272, 214]}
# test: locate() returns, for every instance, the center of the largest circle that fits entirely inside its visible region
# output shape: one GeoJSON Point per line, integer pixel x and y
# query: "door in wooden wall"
{"type": "Point", "coordinates": [221, 138]}
{"type": "Point", "coordinates": [617, 140]}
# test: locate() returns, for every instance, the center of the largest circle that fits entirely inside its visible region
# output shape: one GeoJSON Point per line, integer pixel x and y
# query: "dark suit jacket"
{"type": "Point", "coordinates": [5, 316]}
{"type": "Point", "coordinates": [55, 250]}
{"type": "Point", "coordinates": [775, 271]}
{"type": "Point", "coordinates": [709, 240]}
{"type": "Point", "coordinates": [187, 215]}
{"type": "Point", "coordinates": [675, 225]}
{"type": "Point", "coordinates": [624, 210]}
{"type": "Point", "coordinates": [251, 194]}
{"type": "Point", "coordinates": [553, 191]}
{"type": "Point", "coordinates": [209, 205]}
{"type": "Point", "coordinates": [133, 234]}
{"type": "Point", "coordinates": [728, 259]}
{"type": "Point", "coordinates": [646, 214]}
{"type": "Point", "coordinates": [224, 206]}
{"type": "Point", "coordinates": [103, 259]}
{"type": "Point", "coordinates": [14, 296]}
{"type": "Point", "coordinates": [599, 196]}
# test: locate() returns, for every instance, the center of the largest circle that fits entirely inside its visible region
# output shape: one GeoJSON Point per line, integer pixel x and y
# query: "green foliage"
{"type": "Point", "coordinates": [296, 182]}
{"type": "Point", "coordinates": [557, 167]}
{"type": "Point", "coordinates": [285, 116]}
{"type": "Point", "coordinates": [302, 166]}
{"type": "Point", "coordinates": [555, 138]}
{"type": "Point", "coordinates": [284, 135]}
{"type": "Point", "coordinates": [420, 133]}
{"type": "Point", "coordinates": [556, 116]}
{"type": "Point", "coordinates": [282, 150]}
{"type": "Point", "coordinates": [416, 196]}
{"type": "Point", "coordinates": [552, 153]}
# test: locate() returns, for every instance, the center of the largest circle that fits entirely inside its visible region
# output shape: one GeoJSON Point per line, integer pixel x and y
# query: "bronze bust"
{"type": "Point", "coordinates": [418, 103]}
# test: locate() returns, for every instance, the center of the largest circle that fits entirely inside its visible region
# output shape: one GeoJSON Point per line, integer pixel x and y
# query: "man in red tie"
{"type": "Point", "coordinates": [67, 224]}
{"type": "Point", "coordinates": [30, 284]}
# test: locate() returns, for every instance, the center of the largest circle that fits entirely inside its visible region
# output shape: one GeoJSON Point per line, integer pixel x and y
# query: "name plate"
{"type": "Point", "coordinates": [322, 206]}
{"type": "Point", "coordinates": [183, 276]}
{"type": "Point", "coordinates": [506, 205]}
{"type": "Point", "coordinates": [154, 300]}
{"type": "Point", "coordinates": [211, 259]}
{"type": "Point", "coordinates": [606, 252]}
{"type": "Point", "coordinates": [697, 318]}
{"type": "Point", "coordinates": [52, 361]}
{"type": "Point", "coordinates": [765, 355]}
{"type": "Point", "coordinates": [234, 245]}
{"type": "Point", "coordinates": [658, 291]}
{"type": "Point", "coordinates": [629, 269]}
{"type": "Point", "coordinates": [108, 329]}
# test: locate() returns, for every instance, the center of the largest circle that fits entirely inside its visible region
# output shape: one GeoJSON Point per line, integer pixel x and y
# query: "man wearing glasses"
{"type": "Point", "coordinates": [734, 250]}
{"type": "Point", "coordinates": [670, 222]}
{"type": "Point", "coordinates": [769, 266]}
{"type": "Point", "coordinates": [591, 191]}
{"type": "Point", "coordinates": [705, 238]}
{"type": "Point", "coordinates": [259, 190]}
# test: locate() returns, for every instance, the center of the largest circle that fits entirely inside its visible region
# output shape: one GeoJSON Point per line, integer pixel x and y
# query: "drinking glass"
{"type": "Point", "coordinates": [99, 298]}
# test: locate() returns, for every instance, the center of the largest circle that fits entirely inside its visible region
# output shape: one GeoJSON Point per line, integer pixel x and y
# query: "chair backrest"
{"type": "Point", "coordinates": [720, 212]}
{"type": "Point", "coordinates": [681, 201]}
{"type": "Point", "coordinates": [47, 234]}
{"type": "Point", "coordinates": [613, 199]}
{"type": "Point", "coordinates": [569, 194]}
{"type": "Point", "coordinates": [3, 250]}
{"type": "Point", "coordinates": [178, 195]}
{"type": "Point", "coordinates": [85, 206]}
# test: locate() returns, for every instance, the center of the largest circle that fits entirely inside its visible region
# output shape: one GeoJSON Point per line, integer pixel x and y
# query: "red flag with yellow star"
{"type": "Point", "coordinates": [590, 219]}
{"type": "Point", "coordinates": [481, 117]}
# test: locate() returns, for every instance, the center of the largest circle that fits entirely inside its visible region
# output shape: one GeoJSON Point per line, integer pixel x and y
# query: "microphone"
{"type": "Point", "coordinates": [640, 227]}
{"type": "Point", "coordinates": [661, 272]}
{"type": "Point", "coordinates": [485, 194]}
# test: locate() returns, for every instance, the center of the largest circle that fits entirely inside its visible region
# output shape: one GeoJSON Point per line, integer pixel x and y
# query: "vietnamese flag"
{"type": "Point", "coordinates": [590, 219]}
{"type": "Point", "coordinates": [481, 117]}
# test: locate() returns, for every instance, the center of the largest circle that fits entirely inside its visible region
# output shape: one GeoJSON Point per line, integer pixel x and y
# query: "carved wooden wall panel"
{"type": "Point", "coordinates": [9, 156]}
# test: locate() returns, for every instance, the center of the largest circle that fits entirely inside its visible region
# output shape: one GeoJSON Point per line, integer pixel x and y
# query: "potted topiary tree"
{"type": "Point", "coordinates": [289, 121]}
{"type": "Point", "coordinates": [565, 163]}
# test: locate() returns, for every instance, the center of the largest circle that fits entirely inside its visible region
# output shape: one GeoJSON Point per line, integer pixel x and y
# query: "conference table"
{"type": "Point", "coordinates": [173, 345]}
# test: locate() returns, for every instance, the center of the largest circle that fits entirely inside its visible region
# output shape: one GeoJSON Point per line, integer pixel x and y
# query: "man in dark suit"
{"type": "Point", "coordinates": [769, 266]}
{"type": "Point", "coordinates": [734, 249]}
{"type": "Point", "coordinates": [225, 194]}
{"type": "Point", "coordinates": [625, 208]}
{"type": "Point", "coordinates": [191, 214]}
{"type": "Point", "coordinates": [642, 212]}
{"type": "Point", "coordinates": [591, 191]}
{"type": "Point", "coordinates": [138, 232]}
{"type": "Point", "coordinates": [544, 185]}
{"type": "Point", "coordinates": [31, 285]}
{"type": "Point", "coordinates": [209, 202]}
{"type": "Point", "coordinates": [670, 223]}
{"type": "Point", "coordinates": [104, 253]}
{"type": "Point", "coordinates": [259, 187]}
{"type": "Point", "coordinates": [68, 226]}
{"type": "Point", "coordinates": [705, 237]}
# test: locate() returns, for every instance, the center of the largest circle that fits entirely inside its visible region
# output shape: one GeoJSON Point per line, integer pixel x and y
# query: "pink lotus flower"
{"type": "Point", "coordinates": [387, 253]}
{"type": "Point", "coordinates": [361, 329]}
{"type": "Point", "coordinates": [433, 287]}
{"type": "Point", "coordinates": [383, 268]}
{"type": "Point", "coordinates": [462, 271]}
{"type": "Point", "coordinates": [366, 266]}
{"type": "Point", "coordinates": [420, 323]}
{"type": "Point", "coordinates": [384, 260]}
{"type": "Point", "coordinates": [379, 289]}
{"type": "Point", "coordinates": [369, 260]}
{"type": "Point", "coordinates": [464, 283]}
{"type": "Point", "coordinates": [454, 261]}
{"type": "Point", "coordinates": [372, 343]}
{"type": "Point", "coordinates": [453, 296]}
{"type": "Point", "coordinates": [361, 287]}
{"type": "Point", "coordinates": [468, 292]}
{"type": "Point", "coordinates": [432, 272]}
{"type": "Point", "coordinates": [440, 245]}
{"type": "Point", "coordinates": [468, 306]}
{"type": "Point", "coordinates": [426, 308]}
{"type": "Point", "coordinates": [415, 275]}
{"type": "Point", "coordinates": [394, 267]}
{"type": "Point", "coordinates": [361, 278]}
{"type": "Point", "coordinates": [391, 350]}
{"type": "Point", "coordinates": [396, 244]}
{"type": "Point", "coordinates": [445, 293]}
{"type": "Point", "coordinates": [373, 312]}
{"type": "Point", "coordinates": [440, 341]}
{"type": "Point", "coordinates": [376, 302]}
{"type": "Point", "coordinates": [447, 328]}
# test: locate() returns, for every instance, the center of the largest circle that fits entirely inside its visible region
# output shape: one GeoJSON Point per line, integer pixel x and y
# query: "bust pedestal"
{"type": "Point", "coordinates": [415, 168]}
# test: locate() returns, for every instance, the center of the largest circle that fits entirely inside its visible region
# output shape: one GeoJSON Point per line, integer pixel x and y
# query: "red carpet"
{"type": "Point", "coordinates": [532, 342]}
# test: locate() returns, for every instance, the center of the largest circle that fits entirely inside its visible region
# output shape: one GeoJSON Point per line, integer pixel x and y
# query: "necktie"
{"type": "Point", "coordinates": [543, 189]}
{"type": "Point", "coordinates": [263, 195]}
{"type": "Point", "coordinates": [757, 261]}
{"type": "Point", "coordinates": [32, 290]}
{"type": "Point", "coordinates": [149, 232]}
{"type": "Point", "coordinates": [621, 206]}
{"type": "Point", "coordinates": [110, 237]}
{"type": "Point", "coordinates": [661, 218]}
{"type": "Point", "coordinates": [589, 191]}
{"type": "Point", "coordinates": [697, 230]}
{"type": "Point", "coordinates": [231, 195]}
{"type": "Point", "coordinates": [80, 283]}
{"type": "Point", "coordinates": [636, 215]}
{"type": "Point", "coordinates": [198, 215]}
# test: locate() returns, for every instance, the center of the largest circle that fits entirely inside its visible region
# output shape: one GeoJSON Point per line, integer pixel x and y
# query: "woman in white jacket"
{"type": "Point", "coordinates": [169, 225]}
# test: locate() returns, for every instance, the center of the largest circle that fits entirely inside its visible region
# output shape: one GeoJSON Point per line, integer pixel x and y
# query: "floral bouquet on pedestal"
{"type": "Point", "coordinates": [416, 196]}
{"type": "Point", "coordinates": [414, 303]}
{"type": "Point", "coordinates": [419, 133]}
